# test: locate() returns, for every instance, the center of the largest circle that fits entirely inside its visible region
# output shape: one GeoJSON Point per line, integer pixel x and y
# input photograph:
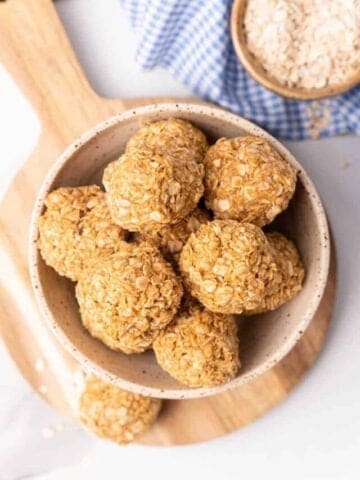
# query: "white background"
{"type": "Point", "coordinates": [314, 435]}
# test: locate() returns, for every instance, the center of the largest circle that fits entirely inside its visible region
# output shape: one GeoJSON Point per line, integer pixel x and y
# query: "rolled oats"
{"type": "Point", "coordinates": [319, 118]}
{"type": "Point", "coordinates": [305, 43]}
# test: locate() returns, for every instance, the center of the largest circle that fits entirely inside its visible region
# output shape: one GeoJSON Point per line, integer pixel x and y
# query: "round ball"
{"type": "Point", "coordinates": [146, 190]}
{"type": "Point", "coordinates": [226, 265]}
{"type": "Point", "coordinates": [126, 299]}
{"type": "Point", "coordinates": [76, 228]}
{"type": "Point", "coordinates": [199, 348]}
{"type": "Point", "coordinates": [246, 179]}
{"type": "Point", "coordinates": [171, 238]}
{"type": "Point", "coordinates": [288, 282]}
{"type": "Point", "coordinates": [116, 414]}
{"type": "Point", "coordinates": [173, 137]}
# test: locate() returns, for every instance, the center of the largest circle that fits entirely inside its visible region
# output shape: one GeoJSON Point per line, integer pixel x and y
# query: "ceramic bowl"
{"type": "Point", "coordinates": [265, 339]}
{"type": "Point", "coordinates": [255, 69]}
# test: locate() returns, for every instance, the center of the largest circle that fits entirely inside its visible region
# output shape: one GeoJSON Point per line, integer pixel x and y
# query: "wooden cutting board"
{"type": "Point", "coordinates": [37, 53]}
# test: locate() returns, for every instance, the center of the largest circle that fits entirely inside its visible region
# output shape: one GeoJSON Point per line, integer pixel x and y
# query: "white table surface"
{"type": "Point", "coordinates": [314, 435]}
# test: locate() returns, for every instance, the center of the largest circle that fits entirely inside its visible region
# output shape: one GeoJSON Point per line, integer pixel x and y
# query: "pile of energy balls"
{"type": "Point", "coordinates": [169, 253]}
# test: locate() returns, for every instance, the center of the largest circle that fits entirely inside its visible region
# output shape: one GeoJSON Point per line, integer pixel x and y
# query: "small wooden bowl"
{"type": "Point", "coordinates": [265, 339]}
{"type": "Point", "coordinates": [255, 69]}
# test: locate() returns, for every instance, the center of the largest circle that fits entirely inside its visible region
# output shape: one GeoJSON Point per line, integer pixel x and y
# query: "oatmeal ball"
{"type": "Point", "coordinates": [246, 179]}
{"type": "Point", "coordinates": [75, 228]}
{"type": "Point", "coordinates": [126, 299]}
{"type": "Point", "coordinates": [174, 137]}
{"type": "Point", "coordinates": [116, 414]}
{"type": "Point", "coordinates": [226, 265]}
{"type": "Point", "coordinates": [288, 282]}
{"type": "Point", "coordinates": [170, 239]}
{"type": "Point", "coordinates": [146, 190]}
{"type": "Point", "coordinates": [199, 348]}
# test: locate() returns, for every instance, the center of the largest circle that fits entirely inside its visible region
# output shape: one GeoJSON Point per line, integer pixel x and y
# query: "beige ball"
{"type": "Point", "coordinates": [172, 137]}
{"type": "Point", "coordinates": [116, 414]}
{"type": "Point", "coordinates": [226, 265]}
{"type": "Point", "coordinates": [171, 238]}
{"type": "Point", "coordinates": [77, 228]}
{"type": "Point", "coordinates": [147, 190]}
{"type": "Point", "coordinates": [159, 179]}
{"type": "Point", "coordinates": [246, 179]}
{"type": "Point", "coordinates": [199, 348]}
{"type": "Point", "coordinates": [288, 282]}
{"type": "Point", "coordinates": [127, 299]}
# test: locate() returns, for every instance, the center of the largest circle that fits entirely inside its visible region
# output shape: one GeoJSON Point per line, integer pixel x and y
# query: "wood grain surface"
{"type": "Point", "coordinates": [37, 53]}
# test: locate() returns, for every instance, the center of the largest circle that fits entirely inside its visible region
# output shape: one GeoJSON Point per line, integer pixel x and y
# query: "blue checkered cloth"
{"type": "Point", "coordinates": [191, 39]}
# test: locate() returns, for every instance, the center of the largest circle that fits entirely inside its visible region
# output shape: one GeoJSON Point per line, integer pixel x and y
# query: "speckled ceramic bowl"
{"type": "Point", "coordinates": [265, 339]}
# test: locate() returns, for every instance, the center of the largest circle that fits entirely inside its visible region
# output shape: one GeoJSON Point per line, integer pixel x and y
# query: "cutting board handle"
{"type": "Point", "coordinates": [35, 49]}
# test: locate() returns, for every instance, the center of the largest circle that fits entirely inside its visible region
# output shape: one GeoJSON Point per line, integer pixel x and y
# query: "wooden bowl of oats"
{"type": "Point", "coordinates": [264, 338]}
{"type": "Point", "coordinates": [299, 50]}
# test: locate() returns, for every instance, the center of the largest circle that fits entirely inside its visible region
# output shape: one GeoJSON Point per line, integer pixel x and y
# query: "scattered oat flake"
{"type": "Point", "coordinates": [59, 427]}
{"type": "Point", "coordinates": [43, 389]}
{"type": "Point", "coordinates": [344, 165]}
{"type": "Point", "coordinates": [319, 118]}
{"type": "Point", "coordinates": [47, 432]}
{"type": "Point", "coordinates": [85, 462]}
{"type": "Point", "coordinates": [39, 365]}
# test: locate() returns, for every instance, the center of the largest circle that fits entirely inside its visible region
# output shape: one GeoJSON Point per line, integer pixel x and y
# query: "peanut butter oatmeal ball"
{"type": "Point", "coordinates": [246, 179]}
{"type": "Point", "coordinates": [288, 282]}
{"type": "Point", "coordinates": [75, 228]}
{"type": "Point", "coordinates": [146, 190]}
{"type": "Point", "coordinates": [199, 348]}
{"type": "Point", "coordinates": [116, 414]}
{"type": "Point", "coordinates": [126, 299]}
{"type": "Point", "coordinates": [170, 239]}
{"type": "Point", "coordinates": [175, 137]}
{"type": "Point", "coordinates": [226, 265]}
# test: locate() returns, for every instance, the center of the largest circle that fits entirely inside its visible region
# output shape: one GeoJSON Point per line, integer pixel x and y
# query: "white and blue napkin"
{"type": "Point", "coordinates": [191, 39]}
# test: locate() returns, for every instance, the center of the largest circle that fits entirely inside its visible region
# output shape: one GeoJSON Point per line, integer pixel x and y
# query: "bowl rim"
{"type": "Point", "coordinates": [255, 70]}
{"type": "Point", "coordinates": [173, 109]}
